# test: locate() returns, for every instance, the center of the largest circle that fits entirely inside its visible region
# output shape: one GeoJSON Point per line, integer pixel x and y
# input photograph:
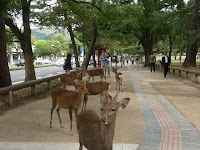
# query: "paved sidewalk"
{"type": "Point", "coordinates": [166, 127]}
{"type": "Point", "coordinates": [55, 146]}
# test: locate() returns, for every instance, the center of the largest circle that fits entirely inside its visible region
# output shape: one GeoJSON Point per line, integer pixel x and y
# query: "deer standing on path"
{"type": "Point", "coordinates": [97, 133]}
{"type": "Point", "coordinates": [95, 89]}
{"type": "Point", "coordinates": [94, 72]}
{"type": "Point", "coordinates": [119, 78]}
{"type": "Point", "coordinates": [68, 100]}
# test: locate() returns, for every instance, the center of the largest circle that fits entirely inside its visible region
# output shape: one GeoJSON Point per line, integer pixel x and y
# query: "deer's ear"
{"type": "Point", "coordinates": [109, 96]}
{"type": "Point", "coordinates": [123, 103]}
{"type": "Point", "coordinates": [102, 97]}
{"type": "Point", "coordinates": [116, 97]}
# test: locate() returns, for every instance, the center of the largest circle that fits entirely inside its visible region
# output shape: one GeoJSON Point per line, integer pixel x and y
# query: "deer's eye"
{"type": "Point", "coordinates": [101, 109]}
{"type": "Point", "coordinates": [113, 109]}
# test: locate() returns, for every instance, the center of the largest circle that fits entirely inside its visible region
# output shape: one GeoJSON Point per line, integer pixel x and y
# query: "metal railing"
{"type": "Point", "coordinates": [6, 93]}
{"type": "Point", "coordinates": [176, 70]}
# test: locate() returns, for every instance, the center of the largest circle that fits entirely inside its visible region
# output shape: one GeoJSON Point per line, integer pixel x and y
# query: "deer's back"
{"type": "Point", "coordinates": [96, 72]}
{"type": "Point", "coordinates": [89, 127]}
{"type": "Point", "coordinates": [97, 87]}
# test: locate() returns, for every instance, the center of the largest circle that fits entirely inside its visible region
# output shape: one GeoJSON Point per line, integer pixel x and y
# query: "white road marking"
{"type": "Point", "coordinates": [18, 82]}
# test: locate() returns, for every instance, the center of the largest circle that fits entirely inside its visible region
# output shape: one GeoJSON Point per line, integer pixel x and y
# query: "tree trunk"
{"type": "Point", "coordinates": [192, 46]}
{"type": "Point", "coordinates": [69, 28]}
{"type": "Point", "coordinates": [181, 53]}
{"type": "Point", "coordinates": [147, 44]}
{"type": "Point", "coordinates": [4, 73]}
{"type": "Point", "coordinates": [190, 60]}
{"type": "Point", "coordinates": [95, 63]}
{"type": "Point", "coordinates": [175, 55]}
{"type": "Point", "coordinates": [170, 47]}
{"type": "Point", "coordinates": [92, 44]}
{"type": "Point", "coordinates": [25, 39]}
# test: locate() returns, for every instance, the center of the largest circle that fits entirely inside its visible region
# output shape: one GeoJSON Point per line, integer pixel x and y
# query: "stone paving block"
{"type": "Point", "coordinates": [186, 146]}
{"type": "Point", "coordinates": [151, 140]}
{"type": "Point", "coordinates": [190, 133]}
{"type": "Point", "coordinates": [147, 148]}
{"type": "Point", "coordinates": [152, 131]}
{"type": "Point", "coordinates": [190, 140]}
{"type": "Point", "coordinates": [129, 146]}
{"type": "Point", "coordinates": [190, 128]}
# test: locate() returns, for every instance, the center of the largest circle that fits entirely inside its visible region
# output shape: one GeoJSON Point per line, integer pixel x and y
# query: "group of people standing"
{"type": "Point", "coordinates": [105, 62]}
{"type": "Point", "coordinates": [166, 61]}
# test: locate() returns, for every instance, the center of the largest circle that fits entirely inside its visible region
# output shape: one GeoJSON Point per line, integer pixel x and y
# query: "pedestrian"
{"type": "Point", "coordinates": [166, 63]}
{"type": "Point", "coordinates": [108, 64]}
{"type": "Point", "coordinates": [132, 60]}
{"type": "Point", "coordinates": [123, 59]}
{"type": "Point", "coordinates": [67, 65]}
{"type": "Point", "coordinates": [152, 61]}
{"type": "Point", "coordinates": [103, 59]}
{"type": "Point", "coordinates": [127, 59]}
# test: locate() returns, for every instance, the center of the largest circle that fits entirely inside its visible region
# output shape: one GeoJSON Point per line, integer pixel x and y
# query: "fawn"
{"type": "Point", "coordinates": [94, 72]}
{"type": "Point", "coordinates": [97, 133]}
{"type": "Point", "coordinates": [68, 100]}
{"type": "Point", "coordinates": [118, 77]}
{"type": "Point", "coordinates": [94, 89]}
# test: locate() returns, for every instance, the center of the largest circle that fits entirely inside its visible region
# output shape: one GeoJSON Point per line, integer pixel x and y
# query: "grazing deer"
{"type": "Point", "coordinates": [68, 79]}
{"type": "Point", "coordinates": [118, 77]}
{"type": "Point", "coordinates": [68, 100]}
{"type": "Point", "coordinates": [94, 89]}
{"type": "Point", "coordinates": [94, 72]}
{"type": "Point", "coordinates": [97, 133]}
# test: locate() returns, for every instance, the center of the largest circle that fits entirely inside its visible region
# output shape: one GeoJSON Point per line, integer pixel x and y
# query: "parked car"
{"type": "Point", "coordinates": [47, 61]}
{"type": "Point", "coordinates": [39, 61]}
{"type": "Point", "coordinates": [60, 62]}
{"type": "Point", "coordinates": [20, 62]}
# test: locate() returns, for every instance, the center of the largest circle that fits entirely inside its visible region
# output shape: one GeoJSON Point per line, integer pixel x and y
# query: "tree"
{"type": "Point", "coordinates": [23, 36]}
{"type": "Point", "coordinates": [4, 74]}
{"type": "Point", "coordinates": [193, 35]}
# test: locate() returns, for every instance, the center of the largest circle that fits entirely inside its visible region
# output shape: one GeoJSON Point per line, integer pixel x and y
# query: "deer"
{"type": "Point", "coordinates": [94, 89]}
{"type": "Point", "coordinates": [70, 100]}
{"type": "Point", "coordinates": [94, 72]}
{"type": "Point", "coordinates": [119, 78]}
{"type": "Point", "coordinates": [97, 133]}
{"type": "Point", "coordinates": [68, 79]}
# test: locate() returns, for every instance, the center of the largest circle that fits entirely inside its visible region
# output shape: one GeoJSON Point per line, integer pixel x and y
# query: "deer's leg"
{"type": "Point", "coordinates": [116, 84]}
{"type": "Point", "coordinates": [121, 86]}
{"type": "Point", "coordinates": [64, 85]}
{"type": "Point", "coordinates": [52, 109]}
{"type": "Point", "coordinates": [76, 114]}
{"type": "Point", "coordinates": [89, 78]}
{"type": "Point", "coordinates": [81, 146]}
{"type": "Point", "coordinates": [70, 115]}
{"type": "Point", "coordinates": [93, 78]}
{"type": "Point", "coordinates": [58, 112]}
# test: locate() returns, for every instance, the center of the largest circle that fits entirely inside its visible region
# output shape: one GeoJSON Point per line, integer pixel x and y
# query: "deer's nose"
{"type": "Point", "coordinates": [86, 91]}
{"type": "Point", "coordinates": [103, 119]}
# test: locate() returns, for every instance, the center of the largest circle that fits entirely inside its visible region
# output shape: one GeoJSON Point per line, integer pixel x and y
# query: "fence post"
{"type": "Point", "coordinates": [7, 98]}
{"type": "Point", "coordinates": [33, 90]}
{"type": "Point", "coordinates": [179, 72]}
{"type": "Point", "coordinates": [173, 71]}
{"type": "Point", "coordinates": [186, 75]}
{"type": "Point", "coordinates": [195, 78]}
{"type": "Point", "coordinates": [49, 85]}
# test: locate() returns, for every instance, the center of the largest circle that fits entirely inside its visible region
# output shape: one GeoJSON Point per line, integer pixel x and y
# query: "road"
{"type": "Point", "coordinates": [18, 76]}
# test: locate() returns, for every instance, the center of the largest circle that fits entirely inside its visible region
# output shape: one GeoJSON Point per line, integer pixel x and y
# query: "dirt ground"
{"type": "Point", "coordinates": [30, 122]}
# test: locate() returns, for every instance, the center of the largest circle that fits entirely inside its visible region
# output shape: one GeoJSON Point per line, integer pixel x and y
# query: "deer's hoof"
{"type": "Point", "coordinates": [50, 126]}
{"type": "Point", "coordinates": [61, 127]}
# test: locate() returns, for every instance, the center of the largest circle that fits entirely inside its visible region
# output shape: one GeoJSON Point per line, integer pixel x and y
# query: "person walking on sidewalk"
{"type": "Point", "coordinates": [67, 66]}
{"type": "Point", "coordinates": [103, 59]}
{"type": "Point", "coordinates": [108, 64]}
{"type": "Point", "coordinates": [166, 63]}
{"type": "Point", "coordinates": [152, 61]}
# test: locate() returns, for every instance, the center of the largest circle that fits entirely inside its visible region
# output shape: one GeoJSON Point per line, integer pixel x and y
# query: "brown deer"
{"type": "Point", "coordinates": [119, 78]}
{"type": "Point", "coordinates": [94, 72]}
{"type": "Point", "coordinates": [94, 89]}
{"type": "Point", "coordinates": [68, 79]}
{"type": "Point", "coordinates": [68, 100]}
{"type": "Point", "coordinates": [97, 133]}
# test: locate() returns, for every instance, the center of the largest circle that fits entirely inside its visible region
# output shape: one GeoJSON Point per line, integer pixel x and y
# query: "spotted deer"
{"type": "Point", "coordinates": [94, 72]}
{"type": "Point", "coordinates": [119, 78]}
{"type": "Point", "coordinates": [95, 89]}
{"type": "Point", "coordinates": [97, 133]}
{"type": "Point", "coordinates": [70, 100]}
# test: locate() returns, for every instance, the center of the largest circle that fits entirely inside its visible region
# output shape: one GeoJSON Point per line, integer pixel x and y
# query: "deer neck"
{"type": "Point", "coordinates": [80, 95]}
{"type": "Point", "coordinates": [107, 132]}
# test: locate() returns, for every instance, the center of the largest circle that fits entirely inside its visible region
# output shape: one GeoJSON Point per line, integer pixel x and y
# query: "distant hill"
{"type": "Point", "coordinates": [49, 34]}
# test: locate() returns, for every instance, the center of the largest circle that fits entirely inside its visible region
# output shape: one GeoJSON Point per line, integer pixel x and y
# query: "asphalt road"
{"type": "Point", "coordinates": [18, 76]}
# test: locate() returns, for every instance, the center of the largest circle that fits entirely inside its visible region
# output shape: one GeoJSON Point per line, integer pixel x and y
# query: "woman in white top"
{"type": "Point", "coordinates": [108, 64]}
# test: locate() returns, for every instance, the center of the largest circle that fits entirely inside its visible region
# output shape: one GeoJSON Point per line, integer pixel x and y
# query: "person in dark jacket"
{"type": "Point", "coordinates": [166, 63]}
{"type": "Point", "coordinates": [67, 66]}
